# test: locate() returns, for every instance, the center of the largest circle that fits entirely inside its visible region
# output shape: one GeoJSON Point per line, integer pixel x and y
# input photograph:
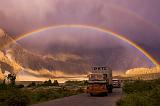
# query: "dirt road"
{"type": "Point", "coordinates": [86, 100]}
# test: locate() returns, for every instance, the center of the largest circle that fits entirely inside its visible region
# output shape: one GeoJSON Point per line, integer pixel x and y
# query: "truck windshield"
{"type": "Point", "coordinates": [94, 77]}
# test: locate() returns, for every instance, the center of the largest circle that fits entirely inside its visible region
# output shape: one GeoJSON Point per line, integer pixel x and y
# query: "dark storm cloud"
{"type": "Point", "coordinates": [87, 47]}
{"type": "Point", "coordinates": [21, 16]}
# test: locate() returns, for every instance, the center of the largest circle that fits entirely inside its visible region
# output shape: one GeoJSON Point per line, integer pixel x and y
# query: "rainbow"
{"type": "Point", "coordinates": [93, 28]}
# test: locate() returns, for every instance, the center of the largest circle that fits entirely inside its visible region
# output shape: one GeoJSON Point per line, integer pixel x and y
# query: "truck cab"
{"type": "Point", "coordinates": [100, 82]}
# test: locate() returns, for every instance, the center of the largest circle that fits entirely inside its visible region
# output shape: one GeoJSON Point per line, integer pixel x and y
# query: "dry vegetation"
{"type": "Point", "coordinates": [141, 93]}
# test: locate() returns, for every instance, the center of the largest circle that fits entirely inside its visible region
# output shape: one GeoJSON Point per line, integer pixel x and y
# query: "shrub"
{"type": "Point", "coordinates": [13, 98]}
{"type": "Point", "coordinates": [134, 100]}
{"type": "Point", "coordinates": [3, 86]}
{"type": "Point", "coordinates": [19, 86]}
{"type": "Point", "coordinates": [77, 83]}
{"type": "Point", "coordinates": [40, 96]}
{"type": "Point", "coordinates": [55, 83]}
{"type": "Point", "coordinates": [33, 84]}
{"type": "Point", "coordinates": [141, 93]}
{"type": "Point", "coordinates": [47, 83]}
{"type": "Point", "coordinates": [80, 90]}
{"type": "Point", "coordinates": [137, 86]}
{"type": "Point", "coordinates": [154, 95]}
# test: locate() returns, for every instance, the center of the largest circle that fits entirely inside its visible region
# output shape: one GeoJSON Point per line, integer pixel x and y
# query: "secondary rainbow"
{"type": "Point", "coordinates": [93, 28]}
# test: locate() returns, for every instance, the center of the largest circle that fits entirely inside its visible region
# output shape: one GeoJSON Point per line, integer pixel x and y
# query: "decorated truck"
{"type": "Point", "coordinates": [100, 81]}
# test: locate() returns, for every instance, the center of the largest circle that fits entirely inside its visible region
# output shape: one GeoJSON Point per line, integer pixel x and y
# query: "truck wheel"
{"type": "Point", "coordinates": [110, 91]}
{"type": "Point", "coordinates": [110, 87]}
{"type": "Point", "coordinates": [105, 94]}
{"type": "Point", "coordinates": [91, 94]}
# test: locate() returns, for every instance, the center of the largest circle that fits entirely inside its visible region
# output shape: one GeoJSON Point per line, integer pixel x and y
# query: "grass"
{"type": "Point", "coordinates": [141, 93]}
{"type": "Point", "coordinates": [25, 97]}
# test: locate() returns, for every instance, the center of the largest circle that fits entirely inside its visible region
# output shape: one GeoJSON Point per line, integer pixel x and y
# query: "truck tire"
{"type": "Point", "coordinates": [110, 87]}
{"type": "Point", "coordinates": [105, 93]}
{"type": "Point", "coordinates": [110, 90]}
{"type": "Point", "coordinates": [91, 94]}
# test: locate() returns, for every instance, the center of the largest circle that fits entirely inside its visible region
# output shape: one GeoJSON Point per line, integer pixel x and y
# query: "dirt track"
{"type": "Point", "coordinates": [86, 100]}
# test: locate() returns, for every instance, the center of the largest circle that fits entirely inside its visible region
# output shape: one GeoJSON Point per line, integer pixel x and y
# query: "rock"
{"type": "Point", "coordinates": [2, 33]}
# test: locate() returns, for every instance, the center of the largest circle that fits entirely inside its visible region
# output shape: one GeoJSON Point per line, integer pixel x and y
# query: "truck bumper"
{"type": "Point", "coordinates": [97, 92]}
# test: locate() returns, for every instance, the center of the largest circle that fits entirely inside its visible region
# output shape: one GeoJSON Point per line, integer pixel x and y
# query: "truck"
{"type": "Point", "coordinates": [116, 83]}
{"type": "Point", "coordinates": [100, 81]}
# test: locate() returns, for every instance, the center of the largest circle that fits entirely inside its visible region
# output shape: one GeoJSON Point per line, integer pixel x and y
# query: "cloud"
{"type": "Point", "coordinates": [18, 17]}
{"type": "Point", "coordinates": [63, 57]}
{"type": "Point", "coordinates": [76, 50]}
{"type": "Point", "coordinates": [41, 75]}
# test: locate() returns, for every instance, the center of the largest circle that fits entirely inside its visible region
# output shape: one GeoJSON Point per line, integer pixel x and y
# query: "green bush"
{"type": "Point", "coordinates": [80, 90]}
{"type": "Point", "coordinates": [134, 100]}
{"type": "Point", "coordinates": [47, 83]}
{"type": "Point", "coordinates": [19, 86]}
{"type": "Point", "coordinates": [40, 96]}
{"type": "Point", "coordinates": [77, 83]}
{"type": "Point", "coordinates": [55, 83]}
{"type": "Point", "coordinates": [3, 86]}
{"type": "Point", "coordinates": [33, 84]}
{"type": "Point", "coordinates": [154, 95]}
{"type": "Point", "coordinates": [137, 86]}
{"type": "Point", "coordinates": [13, 98]}
{"type": "Point", "coordinates": [141, 93]}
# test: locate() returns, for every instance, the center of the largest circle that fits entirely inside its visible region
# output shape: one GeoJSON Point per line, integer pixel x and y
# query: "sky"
{"type": "Point", "coordinates": [137, 20]}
